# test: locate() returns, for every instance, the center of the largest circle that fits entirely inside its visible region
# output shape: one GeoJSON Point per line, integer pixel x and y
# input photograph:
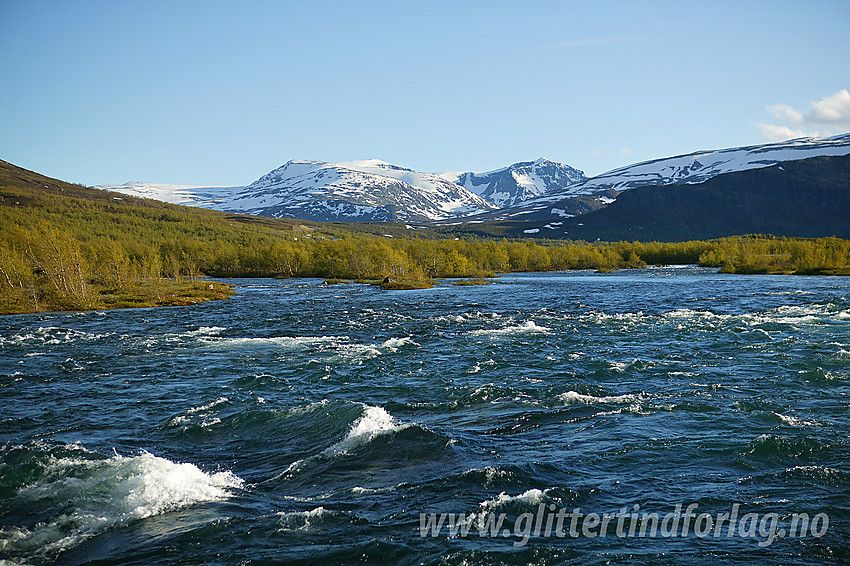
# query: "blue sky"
{"type": "Point", "coordinates": [222, 92]}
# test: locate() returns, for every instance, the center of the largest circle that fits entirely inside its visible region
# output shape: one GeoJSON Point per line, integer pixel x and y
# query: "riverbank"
{"type": "Point", "coordinates": [162, 293]}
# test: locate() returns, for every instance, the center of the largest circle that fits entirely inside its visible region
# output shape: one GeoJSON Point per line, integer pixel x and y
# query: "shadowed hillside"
{"type": "Point", "coordinates": [806, 198]}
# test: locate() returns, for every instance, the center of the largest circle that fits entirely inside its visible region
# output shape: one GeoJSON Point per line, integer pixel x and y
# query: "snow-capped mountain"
{"type": "Point", "coordinates": [373, 190]}
{"type": "Point", "coordinates": [370, 190]}
{"type": "Point", "coordinates": [702, 165]}
{"type": "Point", "coordinates": [690, 168]}
{"type": "Point", "coordinates": [519, 182]}
{"type": "Point", "coordinates": [189, 195]}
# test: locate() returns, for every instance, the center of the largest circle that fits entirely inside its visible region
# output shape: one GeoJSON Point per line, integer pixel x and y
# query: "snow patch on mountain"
{"type": "Point", "coordinates": [373, 190]}
{"type": "Point", "coordinates": [369, 190]}
{"type": "Point", "coordinates": [518, 182]}
{"type": "Point", "coordinates": [189, 195]}
{"type": "Point", "coordinates": [701, 165]}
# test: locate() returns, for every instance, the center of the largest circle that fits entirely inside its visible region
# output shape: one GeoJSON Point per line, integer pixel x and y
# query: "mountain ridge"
{"type": "Point", "coordinates": [368, 190]}
{"type": "Point", "coordinates": [372, 190]}
{"type": "Point", "coordinates": [690, 168]}
{"type": "Point", "coordinates": [803, 198]}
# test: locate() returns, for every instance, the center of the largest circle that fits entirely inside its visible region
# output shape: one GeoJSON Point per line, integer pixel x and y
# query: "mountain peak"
{"type": "Point", "coordinates": [366, 190]}
{"type": "Point", "coordinates": [519, 182]}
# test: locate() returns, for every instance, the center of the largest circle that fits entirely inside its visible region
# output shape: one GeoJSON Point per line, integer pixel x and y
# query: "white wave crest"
{"type": "Point", "coordinates": [797, 292]}
{"type": "Point", "coordinates": [337, 349]}
{"type": "Point", "coordinates": [195, 412]}
{"type": "Point", "coordinates": [394, 344]}
{"type": "Point", "coordinates": [206, 331]}
{"type": "Point", "coordinates": [527, 327]}
{"type": "Point", "coordinates": [357, 490]}
{"type": "Point", "coordinates": [289, 342]}
{"type": "Point", "coordinates": [625, 319]}
{"type": "Point", "coordinates": [530, 497]}
{"type": "Point", "coordinates": [52, 335]}
{"type": "Point", "coordinates": [806, 314]}
{"type": "Point", "coordinates": [374, 422]}
{"type": "Point", "coordinates": [208, 406]}
{"type": "Point", "coordinates": [795, 421]}
{"type": "Point", "coordinates": [575, 398]}
{"type": "Point", "coordinates": [301, 520]}
{"type": "Point", "coordinates": [467, 317]}
{"type": "Point", "coordinates": [101, 494]}
{"type": "Point", "coordinates": [706, 320]}
{"type": "Point", "coordinates": [347, 353]}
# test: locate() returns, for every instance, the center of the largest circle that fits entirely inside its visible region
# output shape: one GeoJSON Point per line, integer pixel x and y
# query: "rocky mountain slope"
{"type": "Point", "coordinates": [518, 182]}
{"type": "Point", "coordinates": [697, 167]}
{"type": "Point", "coordinates": [541, 191]}
{"type": "Point", "coordinates": [807, 198]}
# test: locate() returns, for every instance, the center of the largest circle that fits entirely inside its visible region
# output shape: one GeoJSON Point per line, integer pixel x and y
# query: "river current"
{"type": "Point", "coordinates": [304, 423]}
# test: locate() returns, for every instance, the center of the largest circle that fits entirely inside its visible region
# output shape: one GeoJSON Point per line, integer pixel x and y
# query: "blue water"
{"type": "Point", "coordinates": [305, 423]}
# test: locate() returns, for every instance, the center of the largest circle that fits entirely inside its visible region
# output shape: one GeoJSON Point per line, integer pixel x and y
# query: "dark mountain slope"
{"type": "Point", "coordinates": [808, 198]}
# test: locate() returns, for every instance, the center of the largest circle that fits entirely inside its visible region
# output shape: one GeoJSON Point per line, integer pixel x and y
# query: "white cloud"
{"type": "Point", "coordinates": [828, 116]}
{"type": "Point", "coordinates": [775, 133]}
{"type": "Point", "coordinates": [784, 112]}
{"type": "Point", "coordinates": [833, 110]}
{"type": "Point", "coordinates": [626, 152]}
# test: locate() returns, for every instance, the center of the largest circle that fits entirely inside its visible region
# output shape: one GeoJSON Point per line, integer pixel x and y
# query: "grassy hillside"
{"type": "Point", "coordinates": [66, 247]}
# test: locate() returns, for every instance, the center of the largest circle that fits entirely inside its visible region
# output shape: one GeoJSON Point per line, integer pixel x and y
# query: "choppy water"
{"type": "Point", "coordinates": [304, 423]}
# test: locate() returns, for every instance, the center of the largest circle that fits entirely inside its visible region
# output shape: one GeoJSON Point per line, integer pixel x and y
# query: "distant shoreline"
{"type": "Point", "coordinates": [189, 293]}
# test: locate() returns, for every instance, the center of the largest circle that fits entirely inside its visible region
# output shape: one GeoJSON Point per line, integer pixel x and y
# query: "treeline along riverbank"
{"type": "Point", "coordinates": [68, 247]}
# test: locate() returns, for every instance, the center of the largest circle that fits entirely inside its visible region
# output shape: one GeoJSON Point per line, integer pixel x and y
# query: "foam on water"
{"type": "Point", "coordinates": [492, 474]}
{"type": "Point", "coordinates": [623, 367]}
{"type": "Point", "coordinates": [394, 344]}
{"type": "Point", "coordinates": [374, 422]}
{"type": "Point", "coordinates": [199, 411]}
{"type": "Point", "coordinates": [357, 353]}
{"type": "Point", "coordinates": [338, 349]}
{"type": "Point", "coordinates": [309, 408]}
{"type": "Point", "coordinates": [357, 490]}
{"type": "Point", "coordinates": [95, 495]}
{"type": "Point", "coordinates": [478, 366]}
{"type": "Point", "coordinates": [530, 497]}
{"type": "Point", "coordinates": [527, 327]}
{"type": "Point", "coordinates": [206, 331]}
{"type": "Point", "coordinates": [301, 520]}
{"type": "Point", "coordinates": [208, 406]}
{"type": "Point", "coordinates": [794, 421]}
{"type": "Point", "coordinates": [288, 342]}
{"type": "Point", "coordinates": [52, 335]}
{"type": "Point", "coordinates": [706, 320]}
{"type": "Point", "coordinates": [573, 398]}
{"type": "Point", "coordinates": [805, 314]}
{"type": "Point", "coordinates": [822, 475]}
{"type": "Point", "coordinates": [468, 317]}
{"type": "Point", "coordinates": [797, 292]}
